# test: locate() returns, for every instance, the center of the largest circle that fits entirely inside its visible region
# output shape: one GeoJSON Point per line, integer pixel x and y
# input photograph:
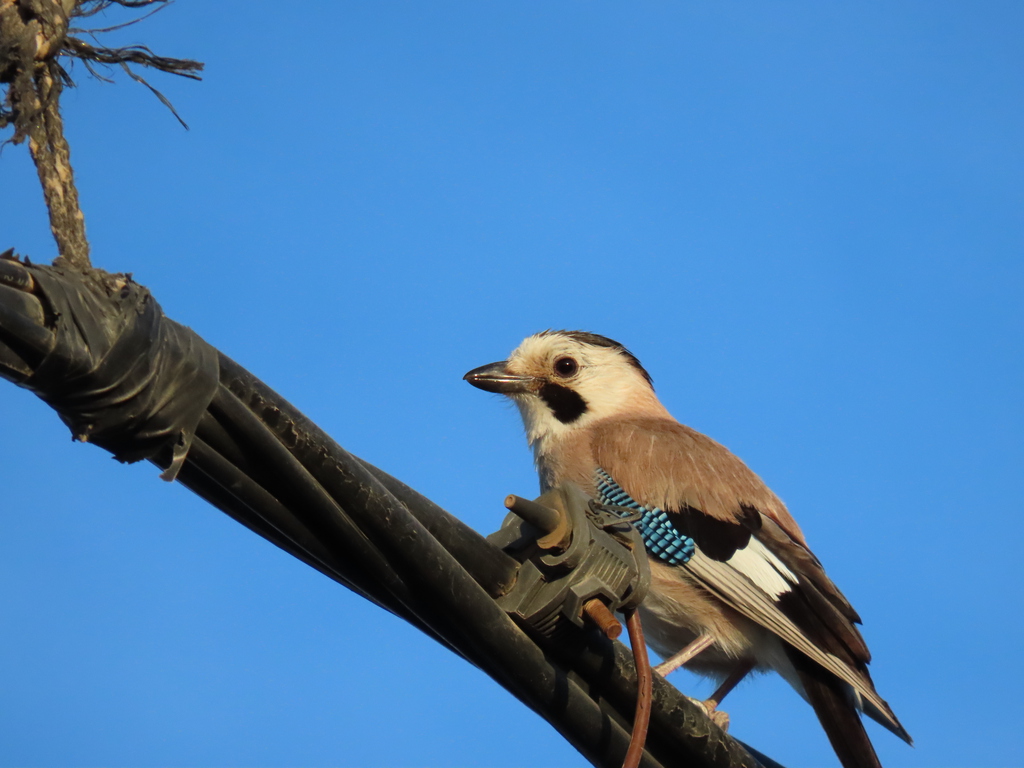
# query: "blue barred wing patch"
{"type": "Point", "coordinates": [660, 536]}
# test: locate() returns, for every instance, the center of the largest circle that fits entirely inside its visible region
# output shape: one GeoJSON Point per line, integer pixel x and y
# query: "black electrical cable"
{"type": "Point", "coordinates": [211, 477]}
{"type": "Point", "coordinates": [491, 568]}
{"type": "Point", "coordinates": [289, 481]}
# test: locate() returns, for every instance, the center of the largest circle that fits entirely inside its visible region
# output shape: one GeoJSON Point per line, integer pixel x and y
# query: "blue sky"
{"type": "Point", "coordinates": [804, 218]}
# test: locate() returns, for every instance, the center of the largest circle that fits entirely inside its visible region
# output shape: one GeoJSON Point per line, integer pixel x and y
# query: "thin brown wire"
{"type": "Point", "coordinates": [645, 684]}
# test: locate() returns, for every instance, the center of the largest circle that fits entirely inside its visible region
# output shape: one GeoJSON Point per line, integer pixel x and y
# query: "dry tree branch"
{"type": "Point", "coordinates": [35, 35]}
{"type": "Point", "coordinates": [133, 54]}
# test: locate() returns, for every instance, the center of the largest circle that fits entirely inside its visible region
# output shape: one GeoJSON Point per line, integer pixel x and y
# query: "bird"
{"type": "Point", "coordinates": [735, 587]}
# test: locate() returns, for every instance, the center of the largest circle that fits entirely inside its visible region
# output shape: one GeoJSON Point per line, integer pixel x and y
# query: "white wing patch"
{"type": "Point", "coordinates": [751, 581]}
{"type": "Point", "coordinates": [763, 568]}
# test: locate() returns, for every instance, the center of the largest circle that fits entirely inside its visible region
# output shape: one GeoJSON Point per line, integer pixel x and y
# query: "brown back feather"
{"type": "Point", "coordinates": [669, 465]}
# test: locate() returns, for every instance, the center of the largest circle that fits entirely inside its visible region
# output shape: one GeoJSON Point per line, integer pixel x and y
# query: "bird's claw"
{"type": "Point", "coordinates": [715, 715]}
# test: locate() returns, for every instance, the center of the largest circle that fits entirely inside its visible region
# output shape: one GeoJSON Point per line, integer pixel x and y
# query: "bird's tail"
{"type": "Point", "coordinates": [835, 709]}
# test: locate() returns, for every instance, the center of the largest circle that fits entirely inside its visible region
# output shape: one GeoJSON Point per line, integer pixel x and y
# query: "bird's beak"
{"type": "Point", "coordinates": [494, 377]}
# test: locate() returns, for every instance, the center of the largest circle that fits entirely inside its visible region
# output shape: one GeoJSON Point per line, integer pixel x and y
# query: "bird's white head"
{"type": "Point", "coordinates": [564, 381]}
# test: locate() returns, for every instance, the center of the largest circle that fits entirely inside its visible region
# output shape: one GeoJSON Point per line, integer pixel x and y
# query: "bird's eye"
{"type": "Point", "coordinates": [566, 367]}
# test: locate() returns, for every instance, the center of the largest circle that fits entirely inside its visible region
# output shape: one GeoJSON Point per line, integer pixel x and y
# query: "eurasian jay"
{"type": "Point", "coordinates": [734, 588]}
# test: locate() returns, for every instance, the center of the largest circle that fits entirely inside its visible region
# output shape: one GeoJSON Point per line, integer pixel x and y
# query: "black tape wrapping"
{"type": "Point", "coordinates": [121, 374]}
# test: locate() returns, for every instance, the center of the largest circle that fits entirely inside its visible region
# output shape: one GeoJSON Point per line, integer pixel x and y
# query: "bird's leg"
{"type": "Point", "coordinates": [742, 670]}
{"type": "Point", "coordinates": [671, 665]}
{"type": "Point", "coordinates": [721, 719]}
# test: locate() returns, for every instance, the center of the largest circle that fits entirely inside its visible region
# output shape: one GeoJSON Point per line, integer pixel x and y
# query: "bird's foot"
{"type": "Point", "coordinates": [719, 718]}
{"type": "Point", "coordinates": [715, 715]}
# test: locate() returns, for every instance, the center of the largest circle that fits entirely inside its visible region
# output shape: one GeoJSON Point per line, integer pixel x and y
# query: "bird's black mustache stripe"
{"type": "Point", "coordinates": [566, 404]}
